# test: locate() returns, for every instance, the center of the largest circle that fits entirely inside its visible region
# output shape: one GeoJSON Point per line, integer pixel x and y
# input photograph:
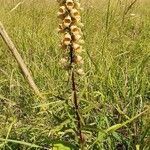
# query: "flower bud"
{"type": "Point", "coordinates": [80, 71]}
{"type": "Point", "coordinates": [76, 46]}
{"type": "Point", "coordinates": [77, 5]}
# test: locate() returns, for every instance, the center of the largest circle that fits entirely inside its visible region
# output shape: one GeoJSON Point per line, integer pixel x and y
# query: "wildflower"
{"type": "Point", "coordinates": [62, 10]}
{"type": "Point", "coordinates": [70, 4]}
{"type": "Point", "coordinates": [75, 29]}
{"type": "Point", "coordinates": [78, 59]}
{"type": "Point", "coordinates": [75, 13]}
{"type": "Point", "coordinates": [70, 27]}
{"type": "Point", "coordinates": [77, 37]}
{"type": "Point", "coordinates": [76, 46]}
{"type": "Point", "coordinates": [67, 39]}
{"type": "Point", "coordinates": [69, 13]}
{"type": "Point", "coordinates": [67, 21]}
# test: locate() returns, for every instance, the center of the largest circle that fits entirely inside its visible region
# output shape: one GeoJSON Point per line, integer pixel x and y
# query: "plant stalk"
{"type": "Point", "coordinates": [75, 100]}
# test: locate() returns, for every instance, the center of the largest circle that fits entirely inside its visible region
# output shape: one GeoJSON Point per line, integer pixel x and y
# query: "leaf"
{"type": "Point", "coordinates": [118, 126]}
{"type": "Point", "coordinates": [137, 147]}
{"type": "Point", "coordinates": [114, 128]}
{"type": "Point", "coordinates": [117, 136]}
{"type": "Point", "coordinates": [7, 100]}
{"type": "Point", "coordinates": [59, 127]}
{"type": "Point", "coordinates": [22, 143]}
{"type": "Point", "coordinates": [60, 146]}
{"type": "Point", "coordinates": [103, 135]}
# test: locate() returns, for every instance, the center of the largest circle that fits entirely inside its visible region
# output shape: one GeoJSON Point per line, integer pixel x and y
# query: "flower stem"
{"type": "Point", "coordinates": [75, 101]}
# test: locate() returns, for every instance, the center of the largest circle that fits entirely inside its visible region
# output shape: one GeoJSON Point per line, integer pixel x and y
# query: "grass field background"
{"type": "Point", "coordinates": [115, 88]}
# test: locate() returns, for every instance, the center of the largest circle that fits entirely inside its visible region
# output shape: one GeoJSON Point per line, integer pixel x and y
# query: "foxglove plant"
{"type": "Point", "coordinates": [71, 43]}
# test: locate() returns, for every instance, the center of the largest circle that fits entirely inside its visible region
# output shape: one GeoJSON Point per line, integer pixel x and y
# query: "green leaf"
{"type": "Point", "coordinates": [114, 128]}
{"type": "Point", "coordinates": [118, 126]}
{"type": "Point", "coordinates": [21, 142]}
{"type": "Point", "coordinates": [60, 147]}
{"type": "Point", "coordinates": [137, 147]}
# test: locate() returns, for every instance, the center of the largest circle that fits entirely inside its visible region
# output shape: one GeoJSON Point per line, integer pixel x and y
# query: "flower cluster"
{"type": "Point", "coordinates": [70, 27]}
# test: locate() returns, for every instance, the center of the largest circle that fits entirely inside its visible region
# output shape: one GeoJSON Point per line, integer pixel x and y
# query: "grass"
{"type": "Point", "coordinates": [114, 90]}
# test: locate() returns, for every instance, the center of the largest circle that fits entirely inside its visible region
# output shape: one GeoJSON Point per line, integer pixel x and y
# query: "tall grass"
{"type": "Point", "coordinates": [114, 89]}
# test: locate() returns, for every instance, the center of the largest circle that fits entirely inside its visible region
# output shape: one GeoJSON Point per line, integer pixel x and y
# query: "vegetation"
{"type": "Point", "coordinates": [114, 92]}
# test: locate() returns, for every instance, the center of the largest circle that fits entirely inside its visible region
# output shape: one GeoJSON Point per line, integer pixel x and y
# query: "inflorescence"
{"type": "Point", "coordinates": [70, 28]}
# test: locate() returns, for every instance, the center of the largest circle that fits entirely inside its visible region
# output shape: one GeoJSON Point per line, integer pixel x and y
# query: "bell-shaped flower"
{"type": "Point", "coordinates": [77, 37]}
{"type": "Point", "coordinates": [78, 59]}
{"type": "Point", "coordinates": [60, 16]}
{"type": "Point", "coordinates": [79, 49]}
{"type": "Point", "coordinates": [75, 30]}
{"type": "Point", "coordinates": [76, 46]}
{"type": "Point", "coordinates": [62, 9]}
{"type": "Point", "coordinates": [67, 39]}
{"type": "Point", "coordinates": [67, 21]}
{"type": "Point", "coordinates": [70, 4]}
{"type": "Point", "coordinates": [75, 13]}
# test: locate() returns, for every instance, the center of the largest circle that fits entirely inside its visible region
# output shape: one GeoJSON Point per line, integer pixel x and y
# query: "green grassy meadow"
{"type": "Point", "coordinates": [114, 93]}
